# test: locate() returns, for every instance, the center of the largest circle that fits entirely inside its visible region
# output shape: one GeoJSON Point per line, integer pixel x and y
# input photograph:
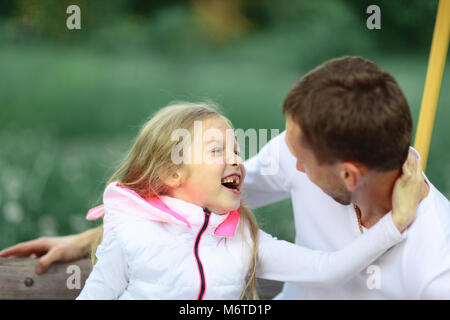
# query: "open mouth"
{"type": "Point", "coordinates": [232, 182]}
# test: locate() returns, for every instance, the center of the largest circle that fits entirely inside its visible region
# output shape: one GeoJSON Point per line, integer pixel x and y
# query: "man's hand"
{"type": "Point", "coordinates": [54, 249]}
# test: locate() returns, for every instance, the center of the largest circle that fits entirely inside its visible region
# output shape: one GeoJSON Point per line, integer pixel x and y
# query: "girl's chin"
{"type": "Point", "coordinates": [226, 209]}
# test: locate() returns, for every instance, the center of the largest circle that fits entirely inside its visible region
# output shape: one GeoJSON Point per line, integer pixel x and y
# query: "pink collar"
{"type": "Point", "coordinates": [164, 209]}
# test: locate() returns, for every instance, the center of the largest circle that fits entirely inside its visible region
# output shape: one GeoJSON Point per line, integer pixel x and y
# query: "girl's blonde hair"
{"type": "Point", "coordinates": [149, 160]}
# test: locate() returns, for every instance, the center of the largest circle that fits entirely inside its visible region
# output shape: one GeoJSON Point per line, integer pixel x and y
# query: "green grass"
{"type": "Point", "coordinates": [67, 116]}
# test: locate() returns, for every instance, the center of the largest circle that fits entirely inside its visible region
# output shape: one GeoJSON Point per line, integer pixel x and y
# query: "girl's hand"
{"type": "Point", "coordinates": [408, 192]}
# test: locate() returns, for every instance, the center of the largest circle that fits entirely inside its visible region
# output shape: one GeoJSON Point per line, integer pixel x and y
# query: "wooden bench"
{"type": "Point", "coordinates": [18, 280]}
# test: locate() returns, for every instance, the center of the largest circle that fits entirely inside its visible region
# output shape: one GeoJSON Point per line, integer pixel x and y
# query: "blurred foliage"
{"type": "Point", "coordinates": [72, 101]}
{"type": "Point", "coordinates": [405, 22]}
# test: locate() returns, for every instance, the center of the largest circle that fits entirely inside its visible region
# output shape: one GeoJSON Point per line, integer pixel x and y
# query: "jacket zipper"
{"type": "Point", "coordinates": [197, 258]}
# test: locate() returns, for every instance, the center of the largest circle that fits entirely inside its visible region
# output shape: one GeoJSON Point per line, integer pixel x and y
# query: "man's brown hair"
{"type": "Point", "coordinates": [349, 109]}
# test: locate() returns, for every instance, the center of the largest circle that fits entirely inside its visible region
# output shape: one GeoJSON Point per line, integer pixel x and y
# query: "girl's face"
{"type": "Point", "coordinates": [214, 179]}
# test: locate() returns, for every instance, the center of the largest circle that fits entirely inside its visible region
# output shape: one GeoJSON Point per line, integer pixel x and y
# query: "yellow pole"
{"type": "Point", "coordinates": [436, 64]}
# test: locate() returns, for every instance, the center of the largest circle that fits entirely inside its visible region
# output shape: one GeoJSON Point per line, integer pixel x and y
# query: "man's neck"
{"type": "Point", "coordinates": [375, 197]}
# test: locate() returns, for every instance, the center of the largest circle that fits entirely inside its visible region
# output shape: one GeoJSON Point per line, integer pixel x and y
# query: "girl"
{"type": "Point", "coordinates": [180, 231]}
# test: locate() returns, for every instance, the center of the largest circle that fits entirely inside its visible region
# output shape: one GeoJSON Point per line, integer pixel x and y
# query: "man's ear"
{"type": "Point", "coordinates": [351, 173]}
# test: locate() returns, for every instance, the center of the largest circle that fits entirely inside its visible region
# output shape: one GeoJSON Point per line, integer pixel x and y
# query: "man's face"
{"type": "Point", "coordinates": [326, 177]}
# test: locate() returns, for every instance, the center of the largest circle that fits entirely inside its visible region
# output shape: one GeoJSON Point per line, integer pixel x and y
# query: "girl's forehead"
{"type": "Point", "coordinates": [217, 130]}
{"type": "Point", "coordinates": [216, 123]}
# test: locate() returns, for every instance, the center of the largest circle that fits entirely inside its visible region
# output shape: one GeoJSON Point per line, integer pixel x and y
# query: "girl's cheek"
{"type": "Point", "coordinates": [243, 172]}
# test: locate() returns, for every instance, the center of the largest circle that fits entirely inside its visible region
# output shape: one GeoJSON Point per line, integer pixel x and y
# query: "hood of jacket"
{"type": "Point", "coordinates": [120, 204]}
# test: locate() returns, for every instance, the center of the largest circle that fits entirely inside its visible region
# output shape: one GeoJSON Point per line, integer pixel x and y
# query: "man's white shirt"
{"type": "Point", "coordinates": [417, 268]}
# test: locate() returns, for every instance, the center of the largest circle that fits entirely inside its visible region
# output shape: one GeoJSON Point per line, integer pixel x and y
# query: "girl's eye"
{"type": "Point", "coordinates": [217, 150]}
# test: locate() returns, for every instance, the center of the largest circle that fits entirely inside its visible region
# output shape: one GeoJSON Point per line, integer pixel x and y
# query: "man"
{"type": "Point", "coordinates": [348, 131]}
{"type": "Point", "coordinates": [348, 127]}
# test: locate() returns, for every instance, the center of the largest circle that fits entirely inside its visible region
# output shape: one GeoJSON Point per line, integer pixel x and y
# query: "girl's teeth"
{"type": "Point", "coordinates": [230, 181]}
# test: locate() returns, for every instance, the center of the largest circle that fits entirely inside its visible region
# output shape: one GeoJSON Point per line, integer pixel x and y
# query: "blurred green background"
{"type": "Point", "coordinates": [71, 102]}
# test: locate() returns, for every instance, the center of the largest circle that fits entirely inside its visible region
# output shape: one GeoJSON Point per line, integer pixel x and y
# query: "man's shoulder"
{"type": "Point", "coordinates": [425, 252]}
{"type": "Point", "coordinates": [287, 161]}
{"type": "Point", "coordinates": [274, 162]}
{"type": "Point", "coordinates": [428, 238]}
{"type": "Point", "coordinates": [433, 215]}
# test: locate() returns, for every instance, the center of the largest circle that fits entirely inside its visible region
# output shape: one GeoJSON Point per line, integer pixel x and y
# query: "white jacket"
{"type": "Point", "coordinates": [167, 248]}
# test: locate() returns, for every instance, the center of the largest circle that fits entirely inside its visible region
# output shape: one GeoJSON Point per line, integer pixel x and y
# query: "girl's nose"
{"type": "Point", "coordinates": [234, 159]}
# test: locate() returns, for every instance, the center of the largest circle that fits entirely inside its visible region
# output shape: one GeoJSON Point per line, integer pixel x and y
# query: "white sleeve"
{"type": "Point", "coordinates": [284, 261]}
{"type": "Point", "coordinates": [267, 179]}
{"type": "Point", "coordinates": [438, 288]}
{"type": "Point", "coordinates": [109, 277]}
